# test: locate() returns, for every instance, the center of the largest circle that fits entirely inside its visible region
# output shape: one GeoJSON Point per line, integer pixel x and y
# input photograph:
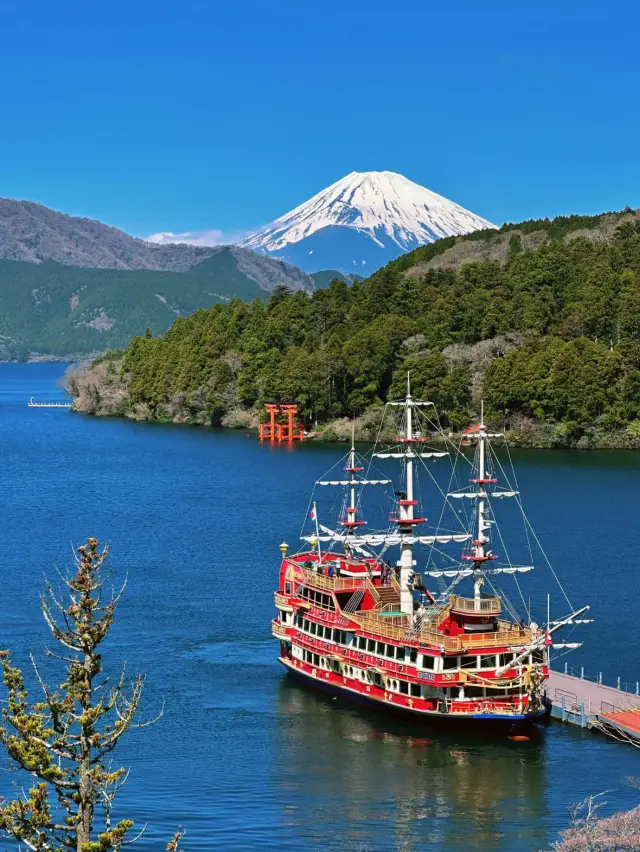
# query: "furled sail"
{"type": "Point", "coordinates": [468, 572]}
{"type": "Point", "coordinates": [458, 495]}
{"type": "Point", "coordinates": [408, 454]}
{"type": "Point", "coordinates": [354, 482]}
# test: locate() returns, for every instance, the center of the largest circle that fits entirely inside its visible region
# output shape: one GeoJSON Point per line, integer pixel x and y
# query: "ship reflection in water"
{"type": "Point", "coordinates": [368, 783]}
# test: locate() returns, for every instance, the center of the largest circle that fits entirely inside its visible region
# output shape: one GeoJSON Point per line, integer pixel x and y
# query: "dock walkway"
{"type": "Point", "coordinates": [33, 404]}
{"type": "Point", "coordinates": [592, 704]}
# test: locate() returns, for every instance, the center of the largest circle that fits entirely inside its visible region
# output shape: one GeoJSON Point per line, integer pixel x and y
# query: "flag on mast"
{"type": "Point", "coordinates": [313, 512]}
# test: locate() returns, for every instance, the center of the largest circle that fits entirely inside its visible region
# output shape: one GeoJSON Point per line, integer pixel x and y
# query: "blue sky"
{"type": "Point", "coordinates": [195, 115]}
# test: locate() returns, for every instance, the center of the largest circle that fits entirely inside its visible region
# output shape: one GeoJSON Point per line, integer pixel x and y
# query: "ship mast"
{"type": "Point", "coordinates": [482, 538]}
{"type": "Point", "coordinates": [406, 519]}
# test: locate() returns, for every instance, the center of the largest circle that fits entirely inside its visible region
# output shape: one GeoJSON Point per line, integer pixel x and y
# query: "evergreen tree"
{"type": "Point", "coordinates": [64, 740]}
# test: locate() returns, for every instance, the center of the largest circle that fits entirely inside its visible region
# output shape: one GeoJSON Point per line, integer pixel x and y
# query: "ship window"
{"type": "Point", "coordinates": [314, 628]}
{"type": "Point", "coordinates": [506, 658]}
{"type": "Point", "coordinates": [415, 689]}
{"type": "Point", "coordinates": [404, 687]}
{"type": "Point", "coordinates": [474, 692]}
{"type": "Point", "coordinates": [413, 655]}
{"type": "Point", "coordinates": [316, 660]}
{"type": "Point", "coordinates": [470, 662]}
{"type": "Point", "coordinates": [428, 662]}
{"type": "Point", "coordinates": [336, 666]}
{"type": "Point", "coordinates": [399, 653]}
{"type": "Point", "coordinates": [362, 643]}
{"type": "Point", "coordinates": [450, 663]}
{"type": "Point", "coordinates": [538, 655]}
{"type": "Point", "coordinates": [371, 646]}
{"type": "Point", "coordinates": [488, 661]}
{"type": "Point", "coordinates": [390, 650]}
{"type": "Point", "coordinates": [287, 588]}
{"type": "Point", "coordinates": [380, 648]}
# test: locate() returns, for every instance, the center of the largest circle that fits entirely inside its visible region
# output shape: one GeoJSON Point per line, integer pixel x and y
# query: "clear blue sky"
{"type": "Point", "coordinates": [201, 114]}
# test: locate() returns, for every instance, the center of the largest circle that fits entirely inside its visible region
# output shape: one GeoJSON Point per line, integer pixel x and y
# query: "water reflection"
{"type": "Point", "coordinates": [368, 783]}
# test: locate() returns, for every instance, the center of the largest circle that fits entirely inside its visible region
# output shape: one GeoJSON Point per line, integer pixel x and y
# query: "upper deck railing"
{"type": "Point", "coordinates": [399, 628]}
{"type": "Point", "coordinates": [334, 584]}
{"type": "Point", "coordinates": [485, 606]}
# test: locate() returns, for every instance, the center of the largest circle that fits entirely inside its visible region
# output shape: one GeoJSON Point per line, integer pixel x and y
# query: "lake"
{"type": "Point", "coordinates": [243, 757]}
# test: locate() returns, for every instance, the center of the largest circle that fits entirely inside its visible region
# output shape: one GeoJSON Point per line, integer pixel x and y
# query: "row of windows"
{"type": "Point", "coordinates": [489, 661]}
{"type": "Point", "coordinates": [401, 686]}
{"type": "Point", "coordinates": [401, 654]}
{"type": "Point", "coordinates": [322, 631]}
{"type": "Point", "coordinates": [371, 646]}
{"type": "Point", "coordinates": [318, 598]}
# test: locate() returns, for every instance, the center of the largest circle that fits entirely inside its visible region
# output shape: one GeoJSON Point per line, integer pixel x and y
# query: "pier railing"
{"type": "Point", "coordinates": [629, 686]}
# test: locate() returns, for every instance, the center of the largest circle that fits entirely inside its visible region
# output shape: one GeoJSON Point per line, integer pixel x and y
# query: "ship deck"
{"type": "Point", "coordinates": [387, 621]}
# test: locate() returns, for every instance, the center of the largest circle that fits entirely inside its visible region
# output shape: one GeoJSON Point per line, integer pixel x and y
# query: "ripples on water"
{"type": "Point", "coordinates": [243, 757]}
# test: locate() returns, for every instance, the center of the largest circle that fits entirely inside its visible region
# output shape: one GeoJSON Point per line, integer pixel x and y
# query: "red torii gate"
{"type": "Point", "coordinates": [290, 430]}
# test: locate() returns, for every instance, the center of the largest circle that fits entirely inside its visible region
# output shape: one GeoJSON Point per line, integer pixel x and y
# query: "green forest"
{"type": "Point", "coordinates": [549, 337]}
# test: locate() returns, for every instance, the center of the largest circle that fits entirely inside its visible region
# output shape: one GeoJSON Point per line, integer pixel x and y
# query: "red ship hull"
{"type": "Point", "coordinates": [489, 724]}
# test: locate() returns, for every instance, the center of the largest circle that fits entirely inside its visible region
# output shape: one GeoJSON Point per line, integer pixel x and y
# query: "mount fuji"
{"type": "Point", "coordinates": [361, 222]}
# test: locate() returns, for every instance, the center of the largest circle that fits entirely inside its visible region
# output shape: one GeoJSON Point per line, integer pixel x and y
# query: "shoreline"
{"type": "Point", "coordinates": [99, 389]}
{"type": "Point", "coordinates": [514, 440]}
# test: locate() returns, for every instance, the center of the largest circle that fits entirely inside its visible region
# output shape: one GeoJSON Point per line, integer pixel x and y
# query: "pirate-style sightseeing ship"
{"type": "Point", "coordinates": [402, 637]}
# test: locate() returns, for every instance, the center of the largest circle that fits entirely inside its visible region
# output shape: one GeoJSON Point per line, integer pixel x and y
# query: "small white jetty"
{"type": "Point", "coordinates": [34, 404]}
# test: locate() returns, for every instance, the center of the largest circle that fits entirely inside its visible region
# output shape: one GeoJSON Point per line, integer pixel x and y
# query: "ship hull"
{"type": "Point", "coordinates": [483, 724]}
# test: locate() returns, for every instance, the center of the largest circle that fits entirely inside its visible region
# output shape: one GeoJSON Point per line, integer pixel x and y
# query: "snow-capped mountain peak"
{"type": "Point", "coordinates": [362, 221]}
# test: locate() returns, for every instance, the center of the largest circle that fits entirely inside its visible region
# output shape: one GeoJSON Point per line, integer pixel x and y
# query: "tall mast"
{"type": "Point", "coordinates": [406, 563]}
{"type": "Point", "coordinates": [352, 466]}
{"type": "Point", "coordinates": [481, 538]}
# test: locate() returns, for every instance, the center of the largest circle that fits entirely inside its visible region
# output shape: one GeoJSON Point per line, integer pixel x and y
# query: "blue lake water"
{"type": "Point", "coordinates": [243, 757]}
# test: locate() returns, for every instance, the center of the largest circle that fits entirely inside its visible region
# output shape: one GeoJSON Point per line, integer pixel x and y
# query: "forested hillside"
{"type": "Point", "coordinates": [64, 311]}
{"type": "Point", "coordinates": [548, 333]}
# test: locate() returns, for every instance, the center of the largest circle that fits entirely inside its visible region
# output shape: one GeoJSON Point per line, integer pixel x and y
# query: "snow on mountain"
{"type": "Point", "coordinates": [361, 222]}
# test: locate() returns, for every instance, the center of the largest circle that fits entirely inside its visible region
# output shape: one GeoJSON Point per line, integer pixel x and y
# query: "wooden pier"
{"type": "Point", "coordinates": [593, 704]}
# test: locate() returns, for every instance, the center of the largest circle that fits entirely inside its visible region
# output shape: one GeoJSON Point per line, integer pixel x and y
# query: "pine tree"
{"type": "Point", "coordinates": [64, 740]}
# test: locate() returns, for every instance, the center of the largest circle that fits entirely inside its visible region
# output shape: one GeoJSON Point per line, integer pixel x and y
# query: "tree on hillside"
{"type": "Point", "coordinates": [65, 740]}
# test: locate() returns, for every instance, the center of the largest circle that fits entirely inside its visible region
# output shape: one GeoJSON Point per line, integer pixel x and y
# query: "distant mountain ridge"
{"type": "Point", "coordinates": [33, 233]}
{"type": "Point", "coordinates": [71, 286]}
{"type": "Point", "coordinates": [361, 222]}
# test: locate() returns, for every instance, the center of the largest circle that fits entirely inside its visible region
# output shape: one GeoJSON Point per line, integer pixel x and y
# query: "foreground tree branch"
{"type": "Point", "coordinates": [63, 740]}
{"type": "Point", "coordinates": [590, 833]}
